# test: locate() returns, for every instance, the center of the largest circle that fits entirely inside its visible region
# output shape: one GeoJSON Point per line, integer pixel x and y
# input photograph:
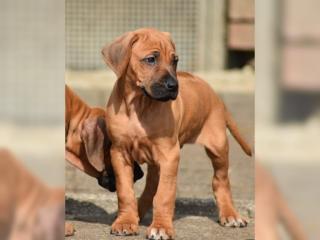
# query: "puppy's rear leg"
{"type": "Point", "coordinates": [218, 154]}
{"type": "Point", "coordinates": [146, 199]}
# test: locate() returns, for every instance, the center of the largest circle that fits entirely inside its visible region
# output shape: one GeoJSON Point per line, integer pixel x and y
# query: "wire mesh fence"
{"type": "Point", "coordinates": [92, 24]}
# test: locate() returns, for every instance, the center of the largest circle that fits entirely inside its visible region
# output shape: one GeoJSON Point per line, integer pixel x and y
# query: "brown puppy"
{"type": "Point", "coordinates": [28, 208]}
{"type": "Point", "coordinates": [271, 209]}
{"type": "Point", "coordinates": [152, 112]}
{"type": "Point", "coordinates": [87, 143]}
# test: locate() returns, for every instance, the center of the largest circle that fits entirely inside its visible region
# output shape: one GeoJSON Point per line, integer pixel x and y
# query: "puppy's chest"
{"type": "Point", "coordinates": [139, 149]}
{"type": "Point", "coordinates": [134, 142]}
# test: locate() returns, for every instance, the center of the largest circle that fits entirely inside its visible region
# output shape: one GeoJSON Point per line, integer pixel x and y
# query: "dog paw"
{"type": "Point", "coordinates": [157, 233]}
{"type": "Point", "coordinates": [233, 220]}
{"type": "Point", "coordinates": [124, 228]}
{"type": "Point", "coordinates": [68, 229]}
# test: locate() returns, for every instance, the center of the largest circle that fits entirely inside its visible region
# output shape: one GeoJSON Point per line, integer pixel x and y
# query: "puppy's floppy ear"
{"type": "Point", "coordinates": [117, 54]}
{"type": "Point", "coordinates": [93, 138]}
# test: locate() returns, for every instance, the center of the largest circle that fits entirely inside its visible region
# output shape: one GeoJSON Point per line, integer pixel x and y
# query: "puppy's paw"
{"type": "Point", "coordinates": [233, 220]}
{"type": "Point", "coordinates": [157, 232]}
{"type": "Point", "coordinates": [124, 228]}
{"type": "Point", "coordinates": [68, 229]}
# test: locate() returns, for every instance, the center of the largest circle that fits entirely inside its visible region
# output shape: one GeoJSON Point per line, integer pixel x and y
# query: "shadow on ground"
{"type": "Point", "coordinates": [90, 212]}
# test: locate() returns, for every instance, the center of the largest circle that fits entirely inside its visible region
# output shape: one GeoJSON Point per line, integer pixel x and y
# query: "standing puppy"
{"type": "Point", "coordinates": [152, 112]}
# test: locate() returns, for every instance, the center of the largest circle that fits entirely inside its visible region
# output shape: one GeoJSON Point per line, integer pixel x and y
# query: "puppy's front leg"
{"type": "Point", "coordinates": [127, 219]}
{"type": "Point", "coordinates": [164, 200]}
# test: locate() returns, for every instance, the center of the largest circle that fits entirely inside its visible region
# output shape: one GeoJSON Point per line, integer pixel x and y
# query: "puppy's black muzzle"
{"type": "Point", "coordinates": [171, 84]}
{"type": "Point", "coordinates": [107, 180]}
{"type": "Point", "coordinates": [164, 90]}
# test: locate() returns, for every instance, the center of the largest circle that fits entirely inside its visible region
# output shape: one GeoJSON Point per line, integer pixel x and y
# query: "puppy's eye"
{"type": "Point", "coordinates": [150, 60]}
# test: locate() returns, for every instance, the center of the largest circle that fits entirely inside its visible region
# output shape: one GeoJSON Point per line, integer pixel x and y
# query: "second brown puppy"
{"type": "Point", "coordinates": [87, 142]}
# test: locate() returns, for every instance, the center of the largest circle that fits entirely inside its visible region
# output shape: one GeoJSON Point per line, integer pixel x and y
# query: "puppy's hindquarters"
{"type": "Point", "coordinates": [214, 138]}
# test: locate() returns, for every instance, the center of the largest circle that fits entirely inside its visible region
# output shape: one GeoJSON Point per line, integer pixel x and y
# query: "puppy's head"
{"type": "Point", "coordinates": [148, 57]}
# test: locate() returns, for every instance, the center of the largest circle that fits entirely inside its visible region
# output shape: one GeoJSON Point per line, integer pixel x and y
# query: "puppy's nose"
{"type": "Point", "coordinates": [171, 83]}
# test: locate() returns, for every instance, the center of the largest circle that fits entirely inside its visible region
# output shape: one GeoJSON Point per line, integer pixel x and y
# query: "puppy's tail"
{"type": "Point", "coordinates": [233, 128]}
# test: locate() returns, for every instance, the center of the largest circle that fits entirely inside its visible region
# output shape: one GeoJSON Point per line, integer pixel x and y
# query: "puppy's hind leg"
{"type": "Point", "coordinates": [217, 148]}
{"type": "Point", "coordinates": [146, 198]}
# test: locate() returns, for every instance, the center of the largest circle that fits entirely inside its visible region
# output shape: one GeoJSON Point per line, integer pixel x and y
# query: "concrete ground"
{"type": "Point", "coordinates": [92, 209]}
